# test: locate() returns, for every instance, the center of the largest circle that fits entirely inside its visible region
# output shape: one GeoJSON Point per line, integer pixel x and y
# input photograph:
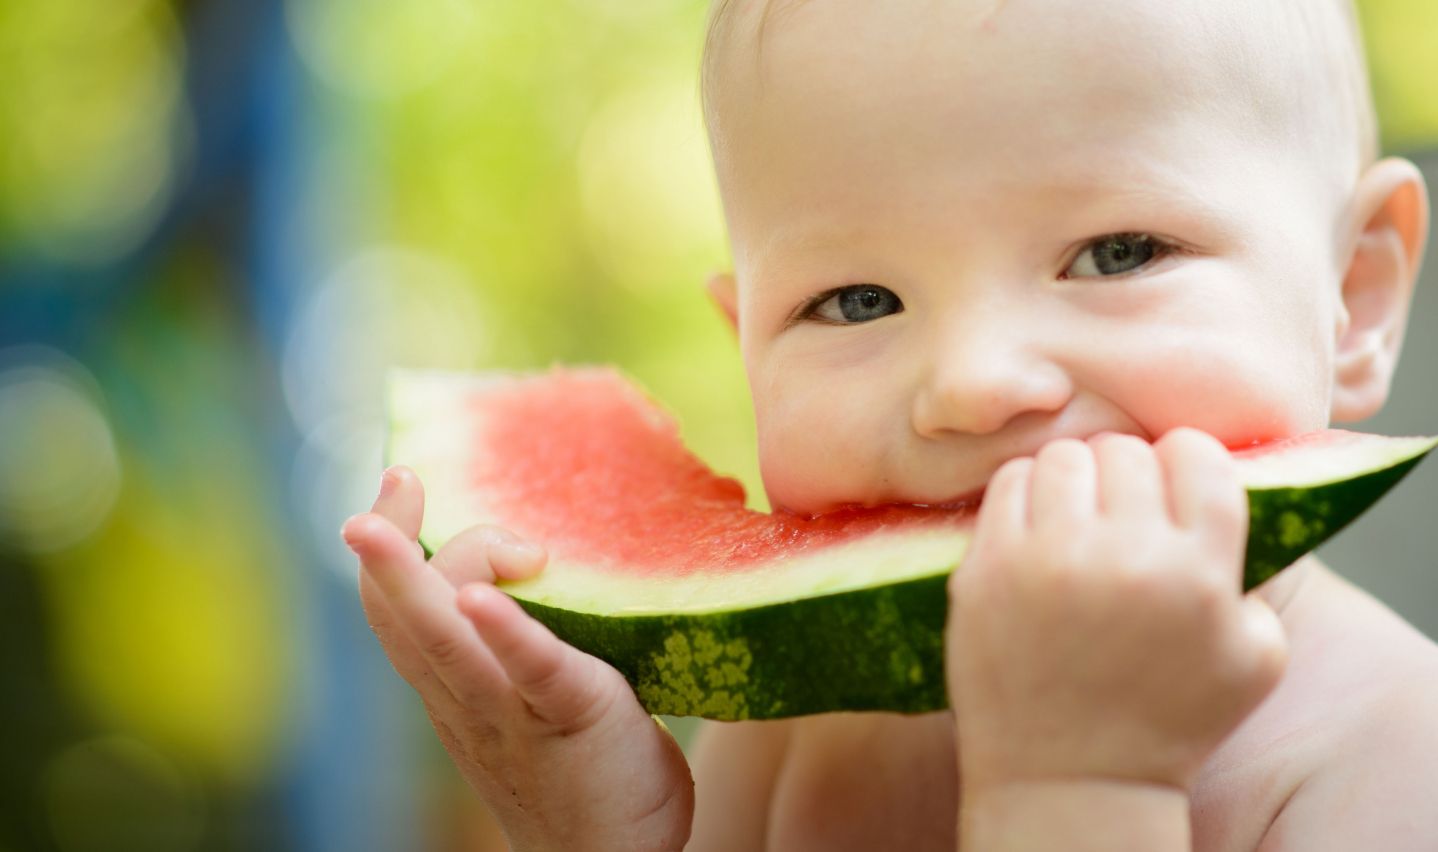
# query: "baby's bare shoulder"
{"type": "Point", "coordinates": [1373, 788]}
{"type": "Point", "coordinates": [1376, 789]}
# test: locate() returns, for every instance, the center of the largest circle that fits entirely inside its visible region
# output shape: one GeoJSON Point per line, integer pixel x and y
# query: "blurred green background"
{"type": "Point", "coordinates": [220, 222]}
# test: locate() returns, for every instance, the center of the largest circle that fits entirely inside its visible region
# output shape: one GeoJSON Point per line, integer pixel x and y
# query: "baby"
{"type": "Point", "coordinates": [1062, 253]}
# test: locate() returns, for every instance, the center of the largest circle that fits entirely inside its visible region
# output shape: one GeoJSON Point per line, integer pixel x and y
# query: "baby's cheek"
{"type": "Point", "coordinates": [819, 450]}
{"type": "Point", "coordinates": [1257, 389]}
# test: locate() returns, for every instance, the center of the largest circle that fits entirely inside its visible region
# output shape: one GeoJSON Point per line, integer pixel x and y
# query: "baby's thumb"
{"type": "Point", "coordinates": [484, 553]}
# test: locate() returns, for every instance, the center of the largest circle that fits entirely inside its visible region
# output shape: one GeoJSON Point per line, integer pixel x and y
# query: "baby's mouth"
{"type": "Point", "coordinates": [965, 504]}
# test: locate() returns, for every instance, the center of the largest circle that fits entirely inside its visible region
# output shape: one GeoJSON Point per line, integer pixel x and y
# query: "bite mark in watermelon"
{"type": "Point", "coordinates": [712, 609]}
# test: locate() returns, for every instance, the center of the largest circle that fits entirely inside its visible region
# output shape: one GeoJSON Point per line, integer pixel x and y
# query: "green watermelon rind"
{"type": "Point", "coordinates": [878, 646]}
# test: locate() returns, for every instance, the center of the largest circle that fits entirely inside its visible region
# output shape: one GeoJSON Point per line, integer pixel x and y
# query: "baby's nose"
{"type": "Point", "coordinates": [976, 387]}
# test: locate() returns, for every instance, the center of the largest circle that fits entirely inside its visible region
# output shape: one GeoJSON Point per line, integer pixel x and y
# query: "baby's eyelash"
{"type": "Point", "coordinates": [1161, 247]}
{"type": "Point", "coordinates": [806, 308]}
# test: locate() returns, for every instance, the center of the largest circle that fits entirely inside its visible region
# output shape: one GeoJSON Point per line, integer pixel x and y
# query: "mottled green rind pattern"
{"type": "Point", "coordinates": [879, 648]}
{"type": "Point", "coordinates": [1286, 523]}
{"type": "Point", "coordinates": [870, 649]}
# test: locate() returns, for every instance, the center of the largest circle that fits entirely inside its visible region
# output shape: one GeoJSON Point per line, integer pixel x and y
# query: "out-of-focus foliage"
{"type": "Point", "coordinates": [190, 393]}
{"type": "Point", "coordinates": [1401, 39]}
{"type": "Point", "coordinates": [551, 161]}
{"type": "Point", "coordinates": [90, 124]}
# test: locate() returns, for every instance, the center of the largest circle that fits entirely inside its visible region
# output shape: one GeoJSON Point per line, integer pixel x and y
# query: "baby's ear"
{"type": "Point", "coordinates": [1391, 216]}
{"type": "Point", "coordinates": [722, 291]}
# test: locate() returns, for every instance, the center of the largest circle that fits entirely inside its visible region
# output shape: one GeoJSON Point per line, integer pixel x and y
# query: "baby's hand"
{"type": "Point", "coordinates": [552, 739]}
{"type": "Point", "coordinates": [1097, 629]}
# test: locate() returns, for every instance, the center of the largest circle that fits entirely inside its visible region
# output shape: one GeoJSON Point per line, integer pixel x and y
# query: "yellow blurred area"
{"type": "Point", "coordinates": [1402, 46]}
{"type": "Point", "coordinates": [91, 123]}
{"type": "Point", "coordinates": [59, 471]}
{"type": "Point", "coordinates": [163, 630]}
{"type": "Point", "coordinates": [560, 159]}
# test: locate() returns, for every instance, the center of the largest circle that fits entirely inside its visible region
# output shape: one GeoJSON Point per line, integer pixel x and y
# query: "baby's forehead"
{"type": "Point", "coordinates": [1287, 67]}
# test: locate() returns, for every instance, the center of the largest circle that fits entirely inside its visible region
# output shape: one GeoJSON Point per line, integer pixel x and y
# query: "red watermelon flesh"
{"type": "Point", "coordinates": [632, 497]}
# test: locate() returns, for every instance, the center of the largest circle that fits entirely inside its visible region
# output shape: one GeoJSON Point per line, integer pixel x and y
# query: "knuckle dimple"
{"type": "Point", "coordinates": [546, 679]}
{"type": "Point", "coordinates": [1211, 596]}
{"type": "Point", "coordinates": [590, 705]}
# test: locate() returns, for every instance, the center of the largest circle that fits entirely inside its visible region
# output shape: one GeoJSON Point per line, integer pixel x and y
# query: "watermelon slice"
{"type": "Point", "coordinates": [711, 609]}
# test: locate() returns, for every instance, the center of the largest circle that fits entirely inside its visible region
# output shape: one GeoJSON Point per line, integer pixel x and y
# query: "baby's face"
{"type": "Point", "coordinates": [957, 237]}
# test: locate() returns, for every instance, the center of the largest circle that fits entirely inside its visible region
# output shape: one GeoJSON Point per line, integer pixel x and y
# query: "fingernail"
{"type": "Point", "coordinates": [515, 550]}
{"type": "Point", "coordinates": [387, 481]}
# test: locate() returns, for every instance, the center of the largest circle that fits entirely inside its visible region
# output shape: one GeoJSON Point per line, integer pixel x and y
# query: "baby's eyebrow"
{"type": "Point", "coordinates": [797, 240]}
{"type": "Point", "coordinates": [1161, 200]}
{"type": "Point", "coordinates": [1137, 200]}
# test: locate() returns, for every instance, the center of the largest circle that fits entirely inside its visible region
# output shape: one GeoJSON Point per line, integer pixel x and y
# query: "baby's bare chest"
{"type": "Point", "coordinates": [877, 782]}
{"type": "Point", "coordinates": [867, 782]}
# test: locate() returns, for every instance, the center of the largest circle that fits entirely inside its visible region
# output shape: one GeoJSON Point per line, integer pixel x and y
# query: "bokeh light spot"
{"type": "Point", "coordinates": [93, 104]}
{"type": "Point", "coordinates": [385, 307]}
{"type": "Point", "coordinates": [375, 48]}
{"type": "Point", "coordinates": [650, 202]}
{"type": "Point", "coordinates": [59, 472]}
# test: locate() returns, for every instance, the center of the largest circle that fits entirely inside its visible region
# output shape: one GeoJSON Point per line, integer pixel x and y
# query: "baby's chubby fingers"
{"type": "Point", "coordinates": [1064, 486]}
{"type": "Point", "coordinates": [485, 553]}
{"type": "Point", "coordinates": [478, 554]}
{"type": "Point", "coordinates": [1001, 526]}
{"type": "Point", "coordinates": [1204, 488]}
{"type": "Point", "coordinates": [422, 604]}
{"type": "Point", "coordinates": [1004, 512]}
{"type": "Point", "coordinates": [401, 500]}
{"type": "Point", "coordinates": [1130, 480]}
{"type": "Point", "coordinates": [563, 687]}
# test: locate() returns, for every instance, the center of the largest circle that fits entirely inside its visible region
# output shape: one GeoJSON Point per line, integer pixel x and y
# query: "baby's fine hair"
{"type": "Point", "coordinates": [1322, 93]}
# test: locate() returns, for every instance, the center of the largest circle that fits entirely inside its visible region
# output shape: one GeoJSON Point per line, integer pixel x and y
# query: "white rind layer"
{"type": "Point", "coordinates": [875, 560]}
{"type": "Point", "coordinates": [1307, 464]}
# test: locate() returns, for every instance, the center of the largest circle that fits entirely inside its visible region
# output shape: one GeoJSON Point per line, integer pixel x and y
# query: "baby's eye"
{"type": "Point", "coordinates": [1116, 254]}
{"type": "Point", "coordinates": [855, 304]}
